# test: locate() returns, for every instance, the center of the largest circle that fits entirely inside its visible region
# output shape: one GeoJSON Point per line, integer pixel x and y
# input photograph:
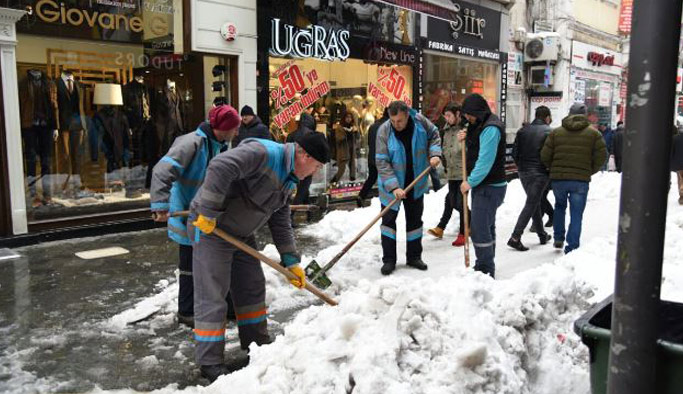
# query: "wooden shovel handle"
{"type": "Point", "coordinates": [276, 266]}
{"type": "Point", "coordinates": [464, 207]}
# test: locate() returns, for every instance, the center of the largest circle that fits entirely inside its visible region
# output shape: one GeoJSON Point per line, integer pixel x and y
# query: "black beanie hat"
{"type": "Point", "coordinates": [316, 146]}
{"type": "Point", "coordinates": [247, 110]}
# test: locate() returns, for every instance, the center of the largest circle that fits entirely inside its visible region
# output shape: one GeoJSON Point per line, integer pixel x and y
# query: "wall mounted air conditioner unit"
{"type": "Point", "coordinates": [541, 47]}
{"type": "Point", "coordinates": [538, 75]}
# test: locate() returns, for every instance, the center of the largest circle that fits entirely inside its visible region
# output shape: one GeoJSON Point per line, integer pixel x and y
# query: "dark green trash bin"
{"type": "Point", "coordinates": [594, 329]}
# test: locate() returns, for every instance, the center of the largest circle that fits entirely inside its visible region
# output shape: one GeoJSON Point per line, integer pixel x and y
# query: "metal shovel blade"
{"type": "Point", "coordinates": [316, 276]}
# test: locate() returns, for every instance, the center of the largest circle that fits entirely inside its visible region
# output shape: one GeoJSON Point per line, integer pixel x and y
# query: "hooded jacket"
{"type": "Point", "coordinates": [178, 175]}
{"type": "Point", "coordinates": [480, 171]}
{"type": "Point", "coordinates": [255, 129]}
{"type": "Point", "coordinates": [528, 144]}
{"type": "Point", "coordinates": [574, 151]}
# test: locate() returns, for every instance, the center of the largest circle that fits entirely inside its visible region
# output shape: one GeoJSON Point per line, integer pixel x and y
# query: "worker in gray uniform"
{"type": "Point", "coordinates": [244, 188]}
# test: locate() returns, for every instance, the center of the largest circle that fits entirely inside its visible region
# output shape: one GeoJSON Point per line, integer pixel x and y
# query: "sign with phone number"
{"type": "Point", "coordinates": [390, 86]}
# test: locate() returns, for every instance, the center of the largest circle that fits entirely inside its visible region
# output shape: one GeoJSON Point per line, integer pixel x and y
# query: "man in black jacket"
{"type": "Point", "coordinates": [372, 167]}
{"type": "Point", "coordinates": [618, 146]}
{"type": "Point", "coordinates": [533, 175]}
{"type": "Point", "coordinates": [251, 127]}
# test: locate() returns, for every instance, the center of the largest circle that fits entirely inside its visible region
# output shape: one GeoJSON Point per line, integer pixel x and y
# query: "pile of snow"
{"type": "Point", "coordinates": [449, 329]}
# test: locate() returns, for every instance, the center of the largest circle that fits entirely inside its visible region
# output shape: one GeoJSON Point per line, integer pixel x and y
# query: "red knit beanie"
{"type": "Point", "coordinates": [224, 117]}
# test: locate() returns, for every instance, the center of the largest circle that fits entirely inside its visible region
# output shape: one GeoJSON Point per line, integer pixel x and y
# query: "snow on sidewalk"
{"type": "Point", "coordinates": [450, 329]}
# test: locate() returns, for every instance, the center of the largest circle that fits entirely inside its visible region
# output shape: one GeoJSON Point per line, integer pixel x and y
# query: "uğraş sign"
{"type": "Point", "coordinates": [315, 41]}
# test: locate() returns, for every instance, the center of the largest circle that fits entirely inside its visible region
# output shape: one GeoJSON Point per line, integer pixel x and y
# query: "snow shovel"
{"type": "Point", "coordinates": [304, 208]}
{"type": "Point", "coordinates": [464, 208]}
{"type": "Point", "coordinates": [318, 275]}
{"type": "Point", "coordinates": [276, 266]}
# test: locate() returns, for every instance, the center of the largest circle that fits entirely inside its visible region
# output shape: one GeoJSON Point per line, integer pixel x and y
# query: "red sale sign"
{"type": "Point", "coordinates": [295, 81]}
{"type": "Point", "coordinates": [391, 85]}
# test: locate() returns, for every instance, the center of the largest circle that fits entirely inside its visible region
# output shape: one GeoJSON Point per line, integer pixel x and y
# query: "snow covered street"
{"type": "Point", "coordinates": [446, 330]}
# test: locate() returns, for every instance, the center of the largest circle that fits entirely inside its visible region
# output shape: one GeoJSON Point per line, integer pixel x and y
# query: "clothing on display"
{"type": "Point", "coordinates": [37, 96]}
{"type": "Point", "coordinates": [136, 105]}
{"type": "Point", "coordinates": [111, 125]}
{"type": "Point", "coordinates": [71, 123]}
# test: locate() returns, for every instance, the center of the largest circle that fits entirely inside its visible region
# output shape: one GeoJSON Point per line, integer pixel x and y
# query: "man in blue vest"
{"type": "Point", "coordinates": [175, 181]}
{"type": "Point", "coordinates": [406, 146]}
{"type": "Point", "coordinates": [485, 147]}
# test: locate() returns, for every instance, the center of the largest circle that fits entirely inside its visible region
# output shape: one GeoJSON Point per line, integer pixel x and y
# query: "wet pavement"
{"type": "Point", "coordinates": [55, 332]}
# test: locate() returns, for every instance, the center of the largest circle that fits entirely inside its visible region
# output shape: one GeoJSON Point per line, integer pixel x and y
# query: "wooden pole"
{"type": "Point", "coordinates": [465, 211]}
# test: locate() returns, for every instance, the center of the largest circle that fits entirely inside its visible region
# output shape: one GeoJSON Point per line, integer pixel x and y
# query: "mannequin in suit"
{"type": "Point", "coordinates": [71, 117]}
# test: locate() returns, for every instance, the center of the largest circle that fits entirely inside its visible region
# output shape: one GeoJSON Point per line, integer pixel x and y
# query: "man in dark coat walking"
{"type": "Point", "coordinates": [618, 146]}
{"type": "Point", "coordinates": [251, 127]}
{"type": "Point", "coordinates": [532, 174]}
{"type": "Point", "coordinates": [372, 166]}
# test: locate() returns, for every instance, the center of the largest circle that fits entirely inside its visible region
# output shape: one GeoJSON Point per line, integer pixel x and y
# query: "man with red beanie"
{"type": "Point", "coordinates": [245, 188]}
{"type": "Point", "coordinates": [175, 181]}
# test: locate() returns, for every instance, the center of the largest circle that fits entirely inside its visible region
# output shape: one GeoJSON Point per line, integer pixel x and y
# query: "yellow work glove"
{"type": "Point", "coordinates": [300, 282]}
{"type": "Point", "coordinates": [206, 225]}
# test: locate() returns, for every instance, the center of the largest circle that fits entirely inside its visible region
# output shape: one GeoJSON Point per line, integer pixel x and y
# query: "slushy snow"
{"type": "Point", "coordinates": [446, 330]}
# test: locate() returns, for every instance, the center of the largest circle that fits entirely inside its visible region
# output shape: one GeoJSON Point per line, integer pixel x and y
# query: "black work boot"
{"type": "Point", "coordinates": [544, 238]}
{"type": "Point", "coordinates": [388, 268]}
{"type": "Point", "coordinates": [419, 264]}
{"type": "Point", "coordinates": [558, 244]}
{"type": "Point", "coordinates": [186, 320]}
{"type": "Point", "coordinates": [212, 372]}
{"type": "Point", "coordinates": [517, 244]}
{"type": "Point", "coordinates": [549, 223]}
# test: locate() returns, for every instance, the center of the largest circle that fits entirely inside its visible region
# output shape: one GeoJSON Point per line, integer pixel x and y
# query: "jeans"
{"type": "Point", "coordinates": [369, 182]}
{"type": "Point", "coordinates": [453, 201]}
{"type": "Point", "coordinates": [485, 202]}
{"type": "Point", "coordinates": [413, 210]}
{"type": "Point", "coordinates": [576, 192]}
{"type": "Point", "coordinates": [534, 185]}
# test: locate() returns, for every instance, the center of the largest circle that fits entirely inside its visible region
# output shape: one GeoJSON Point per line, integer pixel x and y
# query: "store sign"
{"type": "Point", "coordinates": [599, 59]}
{"type": "Point", "coordinates": [315, 41]}
{"type": "Point", "coordinates": [463, 50]}
{"type": "Point", "coordinates": [591, 57]}
{"type": "Point", "coordinates": [552, 100]}
{"type": "Point", "coordinates": [298, 90]}
{"type": "Point", "coordinates": [471, 26]}
{"type": "Point", "coordinates": [386, 53]}
{"type": "Point", "coordinates": [625, 16]}
{"type": "Point", "coordinates": [467, 22]}
{"type": "Point", "coordinates": [515, 69]}
{"type": "Point", "coordinates": [391, 85]}
{"type": "Point", "coordinates": [128, 21]}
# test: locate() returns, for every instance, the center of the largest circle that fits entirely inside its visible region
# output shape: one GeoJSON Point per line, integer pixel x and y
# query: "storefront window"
{"type": "Point", "coordinates": [451, 79]}
{"type": "Point", "coordinates": [344, 99]}
{"type": "Point", "coordinates": [598, 100]}
{"type": "Point", "coordinates": [103, 92]}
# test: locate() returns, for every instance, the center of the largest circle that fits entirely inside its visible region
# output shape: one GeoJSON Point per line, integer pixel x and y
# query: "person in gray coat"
{"type": "Point", "coordinates": [244, 188]}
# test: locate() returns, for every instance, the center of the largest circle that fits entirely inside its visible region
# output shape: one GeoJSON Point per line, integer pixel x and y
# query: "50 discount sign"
{"type": "Point", "coordinates": [298, 90]}
{"type": "Point", "coordinates": [391, 85]}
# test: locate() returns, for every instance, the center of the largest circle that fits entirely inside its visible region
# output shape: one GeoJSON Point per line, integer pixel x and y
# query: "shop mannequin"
{"type": "Point", "coordinates": [168, 114]}
{"type": "Point", "coordinates": [367, 115]}
{"type": "Point", "coordinates": [345, 135]}
{"type": "Point", "coordinates": [137, 109]}
{"type": "Point", "coordinates": [39, 128]}
{"type": "Point", "coordinates": [71, 125]}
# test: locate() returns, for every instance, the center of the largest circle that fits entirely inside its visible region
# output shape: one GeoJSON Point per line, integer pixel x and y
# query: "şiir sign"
{"type": "Point", "coordinates": [108, 20]}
